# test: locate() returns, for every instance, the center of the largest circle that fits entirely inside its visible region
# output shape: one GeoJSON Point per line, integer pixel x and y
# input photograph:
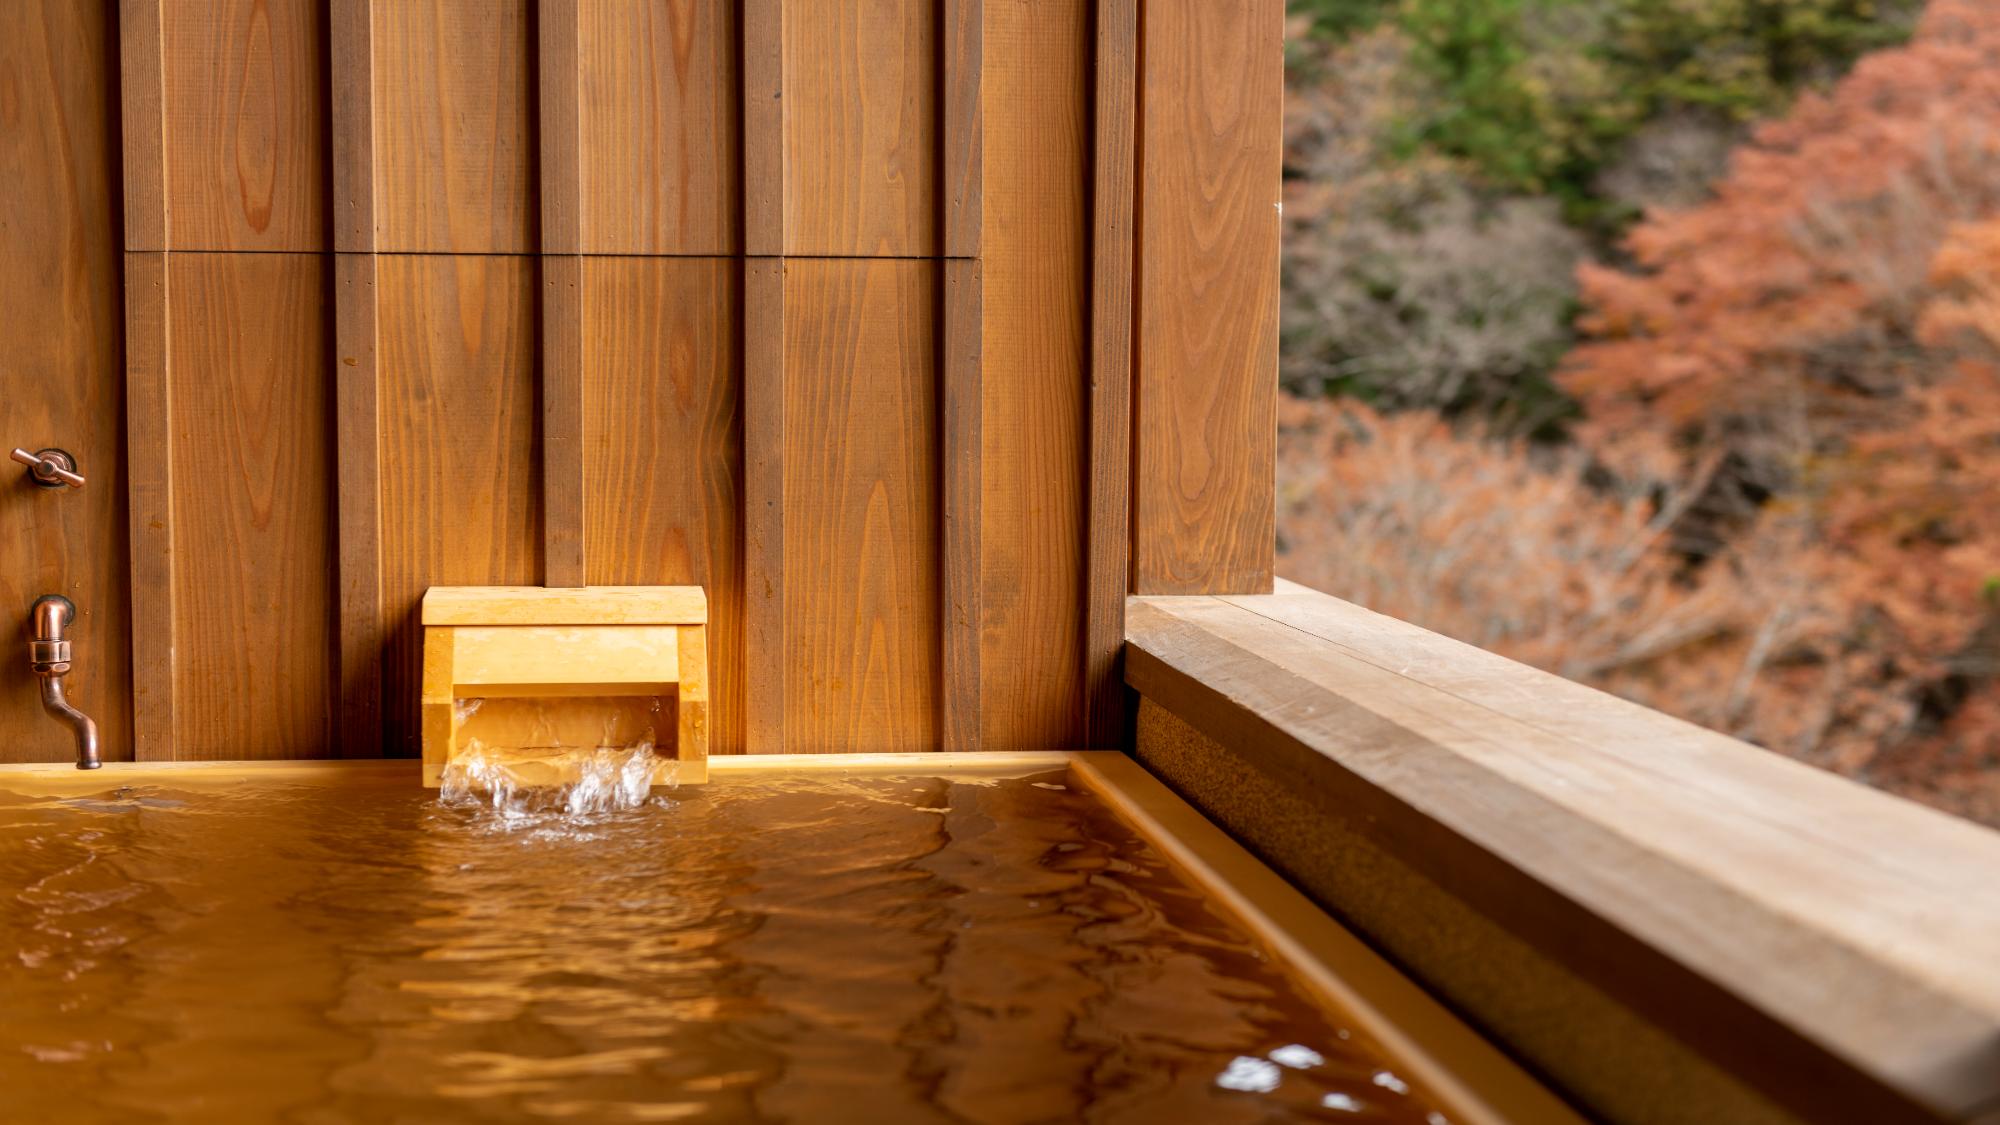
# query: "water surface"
{"type": "Point", "coordinates": [804, 950]}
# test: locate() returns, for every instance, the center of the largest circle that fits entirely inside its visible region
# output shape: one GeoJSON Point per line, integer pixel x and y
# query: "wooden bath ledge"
{"type": "Point", "coordinates": [1668, 923]}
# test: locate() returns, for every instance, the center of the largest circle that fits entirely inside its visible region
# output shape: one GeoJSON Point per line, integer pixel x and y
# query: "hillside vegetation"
{"type": "Point", "coordinates": [1657, 342]}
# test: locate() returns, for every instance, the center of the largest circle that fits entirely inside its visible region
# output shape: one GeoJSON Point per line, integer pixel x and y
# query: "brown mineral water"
{"type": "Point", "coordinates": [879, 950]}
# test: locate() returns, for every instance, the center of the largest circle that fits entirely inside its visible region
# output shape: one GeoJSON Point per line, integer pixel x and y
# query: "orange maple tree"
{"type": "Point", "coordinates": [1819, 346]}
{"type": "Point", "coordinates": [1829, 324]}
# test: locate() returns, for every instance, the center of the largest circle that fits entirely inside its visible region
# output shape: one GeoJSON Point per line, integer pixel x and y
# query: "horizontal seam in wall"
{"type": "Point", "coordinates": [558, 254]}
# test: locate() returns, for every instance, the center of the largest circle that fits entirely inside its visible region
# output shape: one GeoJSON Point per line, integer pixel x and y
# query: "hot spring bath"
{"type": "Point", "coordinates": [955, 941]}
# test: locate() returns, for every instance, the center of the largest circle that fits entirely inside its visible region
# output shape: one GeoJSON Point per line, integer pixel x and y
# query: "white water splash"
{"type": "Point", "coordinates": [576, 783]}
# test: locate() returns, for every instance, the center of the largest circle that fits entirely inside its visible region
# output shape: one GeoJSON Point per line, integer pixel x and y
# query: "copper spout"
{"type": "Point", "coordinates": [48, 659]}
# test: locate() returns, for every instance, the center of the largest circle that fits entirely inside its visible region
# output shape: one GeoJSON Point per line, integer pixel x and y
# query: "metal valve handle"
{"type": "Point", "coordinates": [50, 468]}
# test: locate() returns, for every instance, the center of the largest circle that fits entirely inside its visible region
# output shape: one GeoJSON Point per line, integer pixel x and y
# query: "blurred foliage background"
{"type": "Point", "coordinates": [1657, 342]}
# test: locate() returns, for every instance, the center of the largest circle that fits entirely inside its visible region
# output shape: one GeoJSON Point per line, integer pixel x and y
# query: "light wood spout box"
{"type": "Point", "coordinates": [606, 650]}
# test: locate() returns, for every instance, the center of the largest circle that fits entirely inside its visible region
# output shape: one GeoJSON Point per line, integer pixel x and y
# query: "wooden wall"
{"type": "Point", "coordinates": [845, 311]}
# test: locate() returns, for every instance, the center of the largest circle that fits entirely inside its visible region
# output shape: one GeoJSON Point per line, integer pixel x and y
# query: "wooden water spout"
{"type": "Point", "coordinates": [522, 668]}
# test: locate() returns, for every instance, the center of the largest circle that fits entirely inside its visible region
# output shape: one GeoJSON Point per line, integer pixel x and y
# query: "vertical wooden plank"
{"type": "Point", "coordinates": [1035, 271]}
{"type": "Point", "coordinates": [961, 452]}
{"type": "Point", "coordinates": [861, 483]}
{"type": "Point", "coordinates": [254, 651]}
{"type": "Point", "coordinates": [764, 168]}
{"type": "Point", "coordinates": [563, 479]}
{"type": "Point", "coordinates": [357, 425]}
{"type": "Point", "coordinates": [564, 483]}
{"type": "Point", "coordinates": [1107, 530]}
{"type": "Point", "coordinates": [359, 499]}
{"type": "Point", "coordinates": [964, 41]}
{"type": "Point", "coordinates": [351, 26]}
{"type": "Point", "coordinates": [61, 365]}
{"type": "Point", "coordinates": [460, 482]}
{"type": "Point", "coordinates": [764, 362]}
{"type": "Point", "coordinates": [454, 169]}
{"type": "Point", "coordinates": [861, 130]}
{"type": "Point", "coordinates": [1211, 107]}
{"type": "Point", "coordinates": [246, 125]}
{"type": "Point", "coordinates": [663, 415]}
{"type": "Point", "coordinates": [560, 157]}
{"type": "Point", "coordinates": [660, 104]}
{"type": "Point", "coordinates": [143, 121]}
{"type": "Point", "coordinates": [150, 488]}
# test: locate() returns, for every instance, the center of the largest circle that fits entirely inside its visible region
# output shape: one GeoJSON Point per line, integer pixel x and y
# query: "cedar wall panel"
{"type": "Point", "coordinates": [460, 479]}
{"type": "Point", "coordinates": [1211, 127]}
{"type": "Point", "coordinates": [60, 380]}
{"type": "Point", "coordinates": [454, 105]}
{"type": "Point", "coordinates": [664, 446]}
{"type": "Point", "coordinates": [659, 102]}
{"type": "Point", "coordinates": [880, 443]}
{"type": "Point", "coordinates": [1034, 374]}
{"type": "Point", "coordinates": [252, 506]}
{"type": "Point", "coordinates": [860, 506]}
{"type": "Point", "coordinates": [861, 138]}
{"type": "Point", "coordinates": [245, 125]}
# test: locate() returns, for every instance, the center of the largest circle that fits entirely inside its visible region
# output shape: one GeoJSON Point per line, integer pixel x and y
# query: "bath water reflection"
{"type": "Point", "coordinates": [809, 950]}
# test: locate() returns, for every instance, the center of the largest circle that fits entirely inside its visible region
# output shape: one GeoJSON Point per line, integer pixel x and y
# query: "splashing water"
{"type": "Point", "coordinates": [528, 785]}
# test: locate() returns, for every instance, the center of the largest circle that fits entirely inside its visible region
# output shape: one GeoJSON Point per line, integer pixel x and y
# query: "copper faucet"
{"type": "Point", "coordinates": [48, 658]}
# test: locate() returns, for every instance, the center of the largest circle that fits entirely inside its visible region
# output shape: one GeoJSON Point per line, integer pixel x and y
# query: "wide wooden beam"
{"type": "Point", "coordinates": [1107, 529]}
{"type": "Point", "coordinates": [1211, 145]}
{"type": "Point", "coordinates": [1822, 943]}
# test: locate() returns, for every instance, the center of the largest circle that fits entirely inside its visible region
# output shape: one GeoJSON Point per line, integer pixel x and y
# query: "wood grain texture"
{"type": "Point", "coordinates": [149, 489]}
{"type": "Point", "coordinates": [660, 103]}
{"type": "Point", "coordinates": [437, 702]}
{"type": "Point", "coordinates": [60, 366]}
{"type": "Point", "coordinates": [245, 125]}
{"type": "Point", "coordinates": [541, 605]}
{"type": "Point", "coordinates": [142, 122]}
{"type": "Point", "coordinates": [526, 661]}
{"type": "Point", "coordinates": [351, 49]}
{"type": "Point", "coordinates": [1707, 884]}
{"type": "Point", "coordinates": [861, 502]}
{"type": "Point", "coordinates": [964, 35]}
{"type": "Point", "coordinates": [254, 650]}
{"type": "Point", "coordinates": [961, 455]}
{"type": "Point", "coordinates": [862, 145]}
{"type": "Point", "coordinates": [1212, 145]}
{"type": "Point", "coordinates": [461, 485]}
{"type": "Point", "coordinates": [560, 156]}
{"type": "Point", "coordinates": [358, 488]}
{"type": "Point", "coordinates": [692, 706]}
{"type": "Point", "coordinates": [1035, 268]}
{"type": "Point", "coordinates": [764, 173]}
{"type": "Point", "coordinates": [454, 169]}
{"type": "Point", "coordinates": [1107, 535]}
{"type": "Point", "coordinates": [565, 485]}
{"type": "Point", "coordinates": [764, 506]}
{"type": "Point", "coordinates": [663, 447]}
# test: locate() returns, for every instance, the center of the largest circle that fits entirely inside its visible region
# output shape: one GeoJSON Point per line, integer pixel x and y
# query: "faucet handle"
{"type": "Point", "coordinates": [50, 468]}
